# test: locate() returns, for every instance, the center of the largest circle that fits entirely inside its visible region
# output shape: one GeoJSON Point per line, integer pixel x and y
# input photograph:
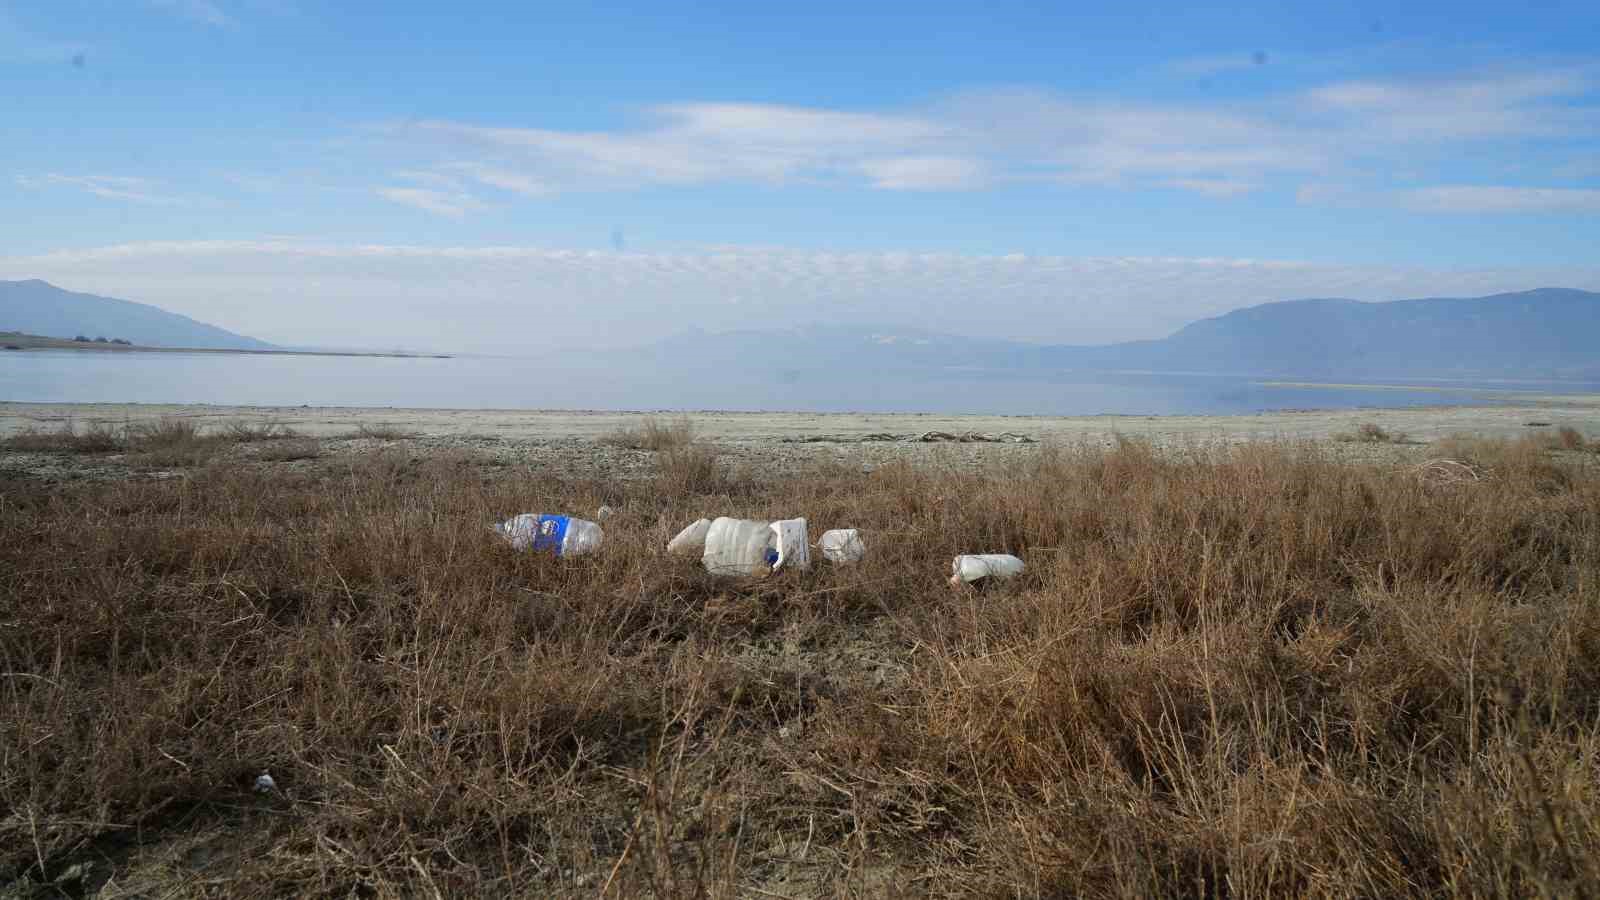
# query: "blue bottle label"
{"type": "Point", "coordinates": [550, 533]}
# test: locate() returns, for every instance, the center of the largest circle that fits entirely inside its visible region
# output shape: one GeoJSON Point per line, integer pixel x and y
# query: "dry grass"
{"type": "Point", "coordinates": [1569, 438]}
{"type": "Point", "coordinates": [1252, 672]}
{"type": "Point", "coordinates": [380, 432]}
{"type": "Point", "coordinates": [653, 434]}
{"type": "Point", "coordinates": [1372, 433]}
{"type": "Point", "coordinates": [164, 443]}
{"type": "Point", "coordinates": [251, 432]}
{"type": "Point", "coordinates": [98, 437]}
{"type": "Point", "coordinates": [291, 450]}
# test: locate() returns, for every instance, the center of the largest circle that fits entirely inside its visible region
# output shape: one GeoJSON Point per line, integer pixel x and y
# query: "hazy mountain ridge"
{"type": "Point", "coordinates": [38, 307]}
{"type": "Point", "coordinates": [1553, 332]}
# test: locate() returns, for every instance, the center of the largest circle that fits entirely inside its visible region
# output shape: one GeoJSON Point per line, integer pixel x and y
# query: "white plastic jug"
{"type": "Point", "coordinates": [563, 535]}
{"type": "Point", "coordinates": [789, 539]}
{"type": "Point", "coordinates": [971, 567]}
{"type": "Point", "coordinates": [739, 547]}
{"type": "Point", "coordinates": [842, 545]}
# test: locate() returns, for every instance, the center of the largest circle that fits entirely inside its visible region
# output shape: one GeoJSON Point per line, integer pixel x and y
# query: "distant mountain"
{"type": "Point", "coordinates": [1550, 332]}
{"type": "Point", "coordinates": [38, 307]}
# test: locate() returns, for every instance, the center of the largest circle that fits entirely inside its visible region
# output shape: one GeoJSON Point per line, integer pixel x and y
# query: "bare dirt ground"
{"type": "Point", "coordinates": [572, 441]}
{"type": "Point", "coordinates": [1502, 419]}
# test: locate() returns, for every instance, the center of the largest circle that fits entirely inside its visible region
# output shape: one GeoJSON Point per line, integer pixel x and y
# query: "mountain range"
{"type": "Point", "coordinates": [1548, 332]}
{"type": "Point", "coordinates": [38, 307]}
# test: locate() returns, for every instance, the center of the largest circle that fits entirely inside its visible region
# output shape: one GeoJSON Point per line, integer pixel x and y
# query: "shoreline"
{"type": "Point", "coordinates": [1580, 411]}
{"type": "Point", "coordinates": [24, 343]}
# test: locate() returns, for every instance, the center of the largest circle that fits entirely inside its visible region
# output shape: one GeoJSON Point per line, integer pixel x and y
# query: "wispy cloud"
{"type": "Point", "coordinates": [1213, 187]}
{"type": "Point", "coordinates": [515, 182]}
{"type": "Point", "coordinates": [438, 180]}
{"type": "Point", "coordinates": [203, 11]}
{"type": "Point", "coordinates": [1350, 129]}
{"type": "Point", "coordinates": [1502, 199]}
{"type": "Point", "coordinates": [925, 173]}
{"type": "Point", "coordinates": [464, 296]}
{"type": "Point", "coordinates": [445, 203]}
{"type": "Point", "coordinates": [110, 187]}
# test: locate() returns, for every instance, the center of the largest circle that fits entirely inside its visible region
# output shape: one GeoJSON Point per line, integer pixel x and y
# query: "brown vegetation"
{"type": "Point", "coordinates": [1372, 433]}
{"type": "Point", "coordinates": [1252, 672]}
{"type": "Point", "coordinates": [653, 434]}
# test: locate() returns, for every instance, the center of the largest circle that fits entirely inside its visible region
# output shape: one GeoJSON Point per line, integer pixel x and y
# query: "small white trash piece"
{"type": "Point", "coordinates": [265, 784]}
{"type": "Point", "coordinates": [562, 535]}
{"type": "Point", "coordinates": [972, 567]}
{"type": "Point", "coordinates": [691, 541]}
{"type": "Point", "coordinates": [842, 546]}
{"type": "Point", "coordinates": [789, 539]}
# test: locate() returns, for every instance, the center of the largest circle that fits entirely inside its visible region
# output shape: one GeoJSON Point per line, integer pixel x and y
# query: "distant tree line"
{"type": "Point", "coordinates": [84, 339]}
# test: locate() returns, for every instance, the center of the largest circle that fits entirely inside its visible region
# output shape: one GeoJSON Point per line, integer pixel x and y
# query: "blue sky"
{"type": "Point", "coordinates": [408, 172]}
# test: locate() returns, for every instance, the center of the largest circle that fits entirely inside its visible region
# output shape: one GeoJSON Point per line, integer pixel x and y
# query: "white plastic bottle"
{"type": "Point", "coordinates": [842, 546]}
{"type": "Point", "coordinates": [971, 567]}
{"type": "Point", "coordinates": [564, 535]}
{"type": "Point", "coordinates": [739, 547]}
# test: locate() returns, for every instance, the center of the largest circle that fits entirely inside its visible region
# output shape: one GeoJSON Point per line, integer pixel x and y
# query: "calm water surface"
{"type": "Point", "coordinates": [555, 383]}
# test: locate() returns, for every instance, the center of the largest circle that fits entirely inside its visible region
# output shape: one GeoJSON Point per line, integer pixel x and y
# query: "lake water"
{"type": "Point", "coordinates": [552, 383]}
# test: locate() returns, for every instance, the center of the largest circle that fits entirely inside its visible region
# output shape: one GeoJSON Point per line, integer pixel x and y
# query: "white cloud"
{"type": "Point", "coordinates": [521, 298]}
{"type": "Point", "coordinates": [514, 182]}
{"type": "Point", "coordinates": [445, 203]}
{"type": "Point", "coordinates": [1347, 130]}
{"type": "Point", "coordinates": [1214, 187]}
{"type": "Point", "coordinates": [437, 180]}
{"type": "Point", "coordinates": [1520, 106]}
{"type": "Point", "coordinates": [203, 11]}
{"type": "Point", "coordinates": [110, 187]}
{"type": "Point", "coordinates": [1502, 199]}
{"type": "Point", "coordinates": [924, 173]}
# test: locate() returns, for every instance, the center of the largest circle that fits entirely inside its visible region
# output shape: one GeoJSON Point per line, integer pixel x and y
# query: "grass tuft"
{"type": "Point", "coordinates": [98, 437]}
{"type": "Point", "coordinates": [251, 432]}
{"type": "Point", "coordinates": [1371, 433]}
{"type": "Point", "coordinates": [380, 432]}
{"type": "Point", "coordinates": [653, 434]}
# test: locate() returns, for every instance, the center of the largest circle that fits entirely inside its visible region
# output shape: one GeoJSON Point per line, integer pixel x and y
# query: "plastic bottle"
{"type": "Point", "coordinates": [971, 567]}
{"type": "Point", "coordinates": [563, 535]}
{"type": "Point", "coordinates": [691, 541]}
{"type": "Point", "coordinates": [842, 545]}
{"type": "Point", "coordinates": [739, 547]}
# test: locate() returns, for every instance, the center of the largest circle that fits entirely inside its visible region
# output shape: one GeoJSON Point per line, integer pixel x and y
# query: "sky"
{"type": "Point", "coordinates": [529, 176]}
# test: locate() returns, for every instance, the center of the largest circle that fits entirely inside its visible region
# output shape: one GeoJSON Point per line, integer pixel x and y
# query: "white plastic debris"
{"type": "Point", "coordinates": [692, 540]}
{"type": "Point", "coordinates": [739, 547]}
{"type": "Point", "coordinates": [562, 535]}
{"type": "Point", "coordinates": [789, 539]}
{"type": "Point", "coordinates": [264, 783]}
{"type": "Point", "coordinates": [842, 545]}
{"type": "Point", "coordinates": [604, 513]}
{"type": "Point", "coordinates": [972, 567]}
